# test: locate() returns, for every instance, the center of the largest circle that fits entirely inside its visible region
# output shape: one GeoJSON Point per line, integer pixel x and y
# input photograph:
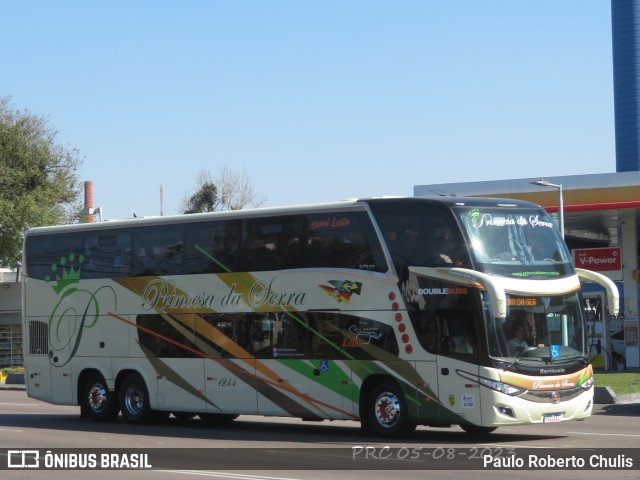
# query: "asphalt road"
{"type": "Point", "coordinates": [291, 449]}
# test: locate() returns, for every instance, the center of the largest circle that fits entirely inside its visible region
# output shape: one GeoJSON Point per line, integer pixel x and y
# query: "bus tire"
{"type": "Point", "coordinates": [386, 412]}
{"type": "Point", "coordinates": [134, 400]}
{"type": "Point", "coordinates": [98, 403]}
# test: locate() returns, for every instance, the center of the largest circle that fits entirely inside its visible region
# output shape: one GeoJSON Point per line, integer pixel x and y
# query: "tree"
{"type": "Point", "coordinates": [229, 190]}
{"type": "Point", "coordinates": [205, 199]}
{"type": "Point", "coordinates": [236, 191]}
{"type": "Point", "coordinates": [38, 182]}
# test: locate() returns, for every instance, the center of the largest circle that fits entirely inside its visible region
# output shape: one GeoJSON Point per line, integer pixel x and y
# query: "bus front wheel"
{"type": "Point", "coordinates": [98, 403]}
{"type": "Point", "coordinates": [134, 400]}
{"type": "Point", "coordinates": [386, 411]}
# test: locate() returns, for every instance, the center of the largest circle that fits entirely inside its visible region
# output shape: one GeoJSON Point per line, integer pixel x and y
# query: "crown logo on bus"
{"type": "Point", "coordinates": [70, 275]}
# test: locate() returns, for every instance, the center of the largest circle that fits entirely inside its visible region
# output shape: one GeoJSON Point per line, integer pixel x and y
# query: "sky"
{"type": "Point", "coordinates": [314, 101]}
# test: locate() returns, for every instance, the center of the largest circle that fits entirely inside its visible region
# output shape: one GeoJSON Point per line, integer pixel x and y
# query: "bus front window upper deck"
{"type": "Point", "coordinates": [519, 243]}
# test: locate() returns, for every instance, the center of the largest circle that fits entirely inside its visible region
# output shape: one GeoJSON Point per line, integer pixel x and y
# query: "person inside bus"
{"type": "Point", "coordinates": [541, 248]}
{"type": "Point", "coordinates": [517, 343]}
{"type": "Point", "coordinates": [450, 251]}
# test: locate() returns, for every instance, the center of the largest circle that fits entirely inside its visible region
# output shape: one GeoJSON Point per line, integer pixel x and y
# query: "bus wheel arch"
{"type": "Point", "coordinates": [383, 408]}
{"type": "Point", "coordinates": [96, 400]}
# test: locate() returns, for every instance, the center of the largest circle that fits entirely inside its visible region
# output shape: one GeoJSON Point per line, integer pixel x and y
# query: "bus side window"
{"type": "Point", "coordinates": [158, 251]}
{"type": "Point", "coordinates": [107, 254]}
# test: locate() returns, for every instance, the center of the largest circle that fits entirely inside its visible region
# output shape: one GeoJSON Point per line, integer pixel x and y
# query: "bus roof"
{"type": "Point", "coordinates": [351, 204]}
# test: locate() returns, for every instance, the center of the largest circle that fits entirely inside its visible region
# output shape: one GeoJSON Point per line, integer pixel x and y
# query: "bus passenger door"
{"type": "Point", "coordinates": [458, 362]}
{"type": "Point", "coordinates": [458, 394]}
{"type": "Point", "coordinates": [430, 411]}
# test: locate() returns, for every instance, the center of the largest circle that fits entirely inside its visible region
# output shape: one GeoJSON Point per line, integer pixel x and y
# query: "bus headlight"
{"type": "Point", "coordinates": [493, 384]}
{"type": "Point", "coordinates": [500, 387]}
{"type": "Point", "coordinates": [588, 384]}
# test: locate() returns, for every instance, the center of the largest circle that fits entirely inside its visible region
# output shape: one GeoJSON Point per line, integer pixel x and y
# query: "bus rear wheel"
{"type": "Point", "coordinates": [386, 413]}
{"type": "Point", "coordinates": [134, 400]}
{"type": "Point", "coordinates": [98, 403]}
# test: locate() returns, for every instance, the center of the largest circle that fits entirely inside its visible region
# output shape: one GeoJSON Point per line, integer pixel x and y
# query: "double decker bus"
{"type": "Point", "coordinates": [394, 312]}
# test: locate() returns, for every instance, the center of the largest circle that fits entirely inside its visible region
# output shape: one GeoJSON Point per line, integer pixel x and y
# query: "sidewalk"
{"type": "Point", "coordinates": [12, 387]}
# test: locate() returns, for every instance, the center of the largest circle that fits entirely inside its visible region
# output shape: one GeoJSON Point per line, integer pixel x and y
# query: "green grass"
{"type": "Point", "coordinates": [621, 383]}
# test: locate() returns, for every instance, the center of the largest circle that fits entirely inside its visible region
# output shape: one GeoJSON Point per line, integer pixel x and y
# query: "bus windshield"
{"type": "Point", "coordinates": [538, 329]}
{"type": "Point", "coordinates": [514, 242]}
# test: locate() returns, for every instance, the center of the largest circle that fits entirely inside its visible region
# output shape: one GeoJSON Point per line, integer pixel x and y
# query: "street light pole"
{"type": "Point", "coordinates": [543, 183]}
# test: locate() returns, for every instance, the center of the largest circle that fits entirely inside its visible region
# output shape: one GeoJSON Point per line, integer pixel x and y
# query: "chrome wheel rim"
{"type": "Point", "coordinates": [387, 409]}
{"type": "Point", "coordinates": [134, 399]}
{"type": "Point", "coordinates": [97, 397]}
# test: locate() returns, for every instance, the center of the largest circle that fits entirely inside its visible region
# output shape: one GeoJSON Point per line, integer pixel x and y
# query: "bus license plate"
{"type": "Point", "coordinates": [552, 417]}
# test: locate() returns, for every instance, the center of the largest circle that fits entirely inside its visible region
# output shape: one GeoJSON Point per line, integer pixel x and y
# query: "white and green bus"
{"type": "Point", "coordinates": [394, 312]}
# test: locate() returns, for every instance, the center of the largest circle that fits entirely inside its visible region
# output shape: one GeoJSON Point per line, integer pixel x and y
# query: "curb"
{"type": "Point", "coordinates": [12, 387]}
{"type": "Point", "coordinates": [604, 396]}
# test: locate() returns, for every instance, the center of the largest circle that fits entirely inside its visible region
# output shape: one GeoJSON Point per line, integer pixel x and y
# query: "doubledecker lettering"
{"type": "Point", "coordinates": [443, 291]}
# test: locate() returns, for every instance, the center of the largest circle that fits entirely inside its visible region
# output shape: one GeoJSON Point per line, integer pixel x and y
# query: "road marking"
{"type": "Point", "coordinates": [10, 430]}
{"type": "Point", "coordinates": [21, 404]}
{"type": "Point", "coordinates": [606, 434]}
{"type": "Point", "coordinates": [226, 475]}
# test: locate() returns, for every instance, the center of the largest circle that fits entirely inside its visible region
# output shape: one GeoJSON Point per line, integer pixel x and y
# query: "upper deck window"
{"type": "Point", "coordinates": [520, 242]}
{"type": "Point", "coordinates": [420, 234]}
{"type": "Point", "coordinates": [330, 239]}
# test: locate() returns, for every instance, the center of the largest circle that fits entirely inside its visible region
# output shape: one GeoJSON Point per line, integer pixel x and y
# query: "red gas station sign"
{"type": "Point", "coordinates": [608, 259]}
